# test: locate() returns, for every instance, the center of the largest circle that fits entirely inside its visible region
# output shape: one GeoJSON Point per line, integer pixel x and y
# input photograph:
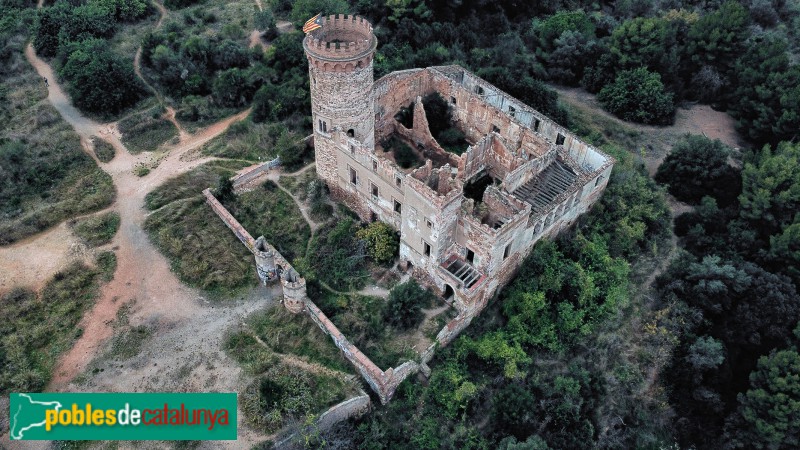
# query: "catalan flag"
{"type": "Point", "coordinates": [313, 23]}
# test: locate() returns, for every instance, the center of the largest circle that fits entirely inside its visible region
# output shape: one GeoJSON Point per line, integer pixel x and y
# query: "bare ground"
{"type": "Point", "coordinates": [184, 353]}
{"type": "Point", "coordinates": [657, 141]}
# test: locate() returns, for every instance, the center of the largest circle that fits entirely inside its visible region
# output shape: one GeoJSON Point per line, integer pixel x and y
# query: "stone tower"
{"type": "Point", "coordinates": [340, 74]}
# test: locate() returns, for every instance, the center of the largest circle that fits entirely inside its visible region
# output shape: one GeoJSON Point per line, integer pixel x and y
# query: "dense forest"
{"type": "Point", "coordinates": [578, 352]}
{"type": "Point", "coordinates": [570, 355]}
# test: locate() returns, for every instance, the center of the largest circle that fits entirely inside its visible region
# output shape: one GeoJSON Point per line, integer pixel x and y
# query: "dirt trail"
{"type": "Point", "coordinates": [694, 119]}
{"type": "Point", "coordinates": [142, 272]}
{"type": "Point", "coordinates": [31, 262]}
{"type": "Point", "coordinates": [137, 68]}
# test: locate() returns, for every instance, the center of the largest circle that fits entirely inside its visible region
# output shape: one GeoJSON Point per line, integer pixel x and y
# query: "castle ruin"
{"type": "Point", "coordinates": [466, 221]}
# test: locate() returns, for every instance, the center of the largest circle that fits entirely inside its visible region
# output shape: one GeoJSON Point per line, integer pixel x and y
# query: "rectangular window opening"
{"type": "Point", "coordinates": [374, 190]}
{"type": "Point", "coordinates": [398, 181]}
{"type": "Point", "coordinates": [398, 207]}
{"type": "Point", "coordinates": [426, 248]}
{"type": "Point", "coordinates": [428, 223]}
{"type": "Point", "coordinates": [375, 165]}
{"type": "Point", "coordinates": [560, 139]}
{"type": "Point", "coordinates": [512, 111]}
{"type": "Point", "coordinates": [453, 100]}
{"type": "Point", "coordinates": [536, 124]}
{"type": "Point", "coordinates": [353, 176]}
{"type": "Point", "coordinates": [507, 251]}
{"type": "Point", "coordinates": [496, 129]}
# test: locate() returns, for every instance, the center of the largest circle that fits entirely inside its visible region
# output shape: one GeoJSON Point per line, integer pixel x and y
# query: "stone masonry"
{"type": "Point", "coordinates": [537, 176]}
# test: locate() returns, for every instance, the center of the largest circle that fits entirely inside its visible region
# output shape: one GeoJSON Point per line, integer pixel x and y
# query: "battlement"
{"type": "Point", "coordinates": [342, 38]}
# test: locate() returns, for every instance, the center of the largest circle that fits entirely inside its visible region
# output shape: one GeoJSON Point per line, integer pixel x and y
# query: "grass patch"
{"type": "Point", "coordinates": [361, 319]}
{"type": "Point", "coordinates": [247, 141]}
{"type": "Point", "coordinates": [106, 264]}
{"type": "Point", "coordinates": [270, 212]}
{"type": "Point", "coordinates": [97, 230]}
{"type": "Point", "coordinates": [287, 395]}
{"type": "Point", "coordinates": [285, 332]}
{"type": "Point", "coordinates": [128, 343]}
{"type": "Point", "coordinates": [103, 150]}
{"type": "Point", "coordinates": [35, 329]}
{"type": "Point", "coordinates": [202, 250]}
{"type": "Point", "coordinates": [190, 184]}
{"type": "Point", "coordinates": [146, 131]}
{"type": "Point", "coordinates": [299, 185]}
{"type": "Point", "coordinates": [141, 170]}
{"type": "Point", "coordinates": [45, 176]}
{"type": "Point", "coordinates": [336, 257]}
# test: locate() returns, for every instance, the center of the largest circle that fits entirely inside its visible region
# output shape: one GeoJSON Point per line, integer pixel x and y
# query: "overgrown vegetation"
{"type": "Point", "coordinates": [97, 230]}
{"type": "Point", "coordinates": [405, 303]}
{"type": "Point", "coordinates": [336, 257]}
{"type": "Point", "coordinates": [282, 394]}
{"type": "Point", "coordinates": [202, 250]}
{"type": "Point", "coordinates": [146, 131]}
{"type": "Point", "coordinates": [36, 329]}
{"type": "Point", "coordinates": [735, 307]}
{"type": "Point", "coordinates": [440, 123]}
{"type": "Point", "coordinates": [99, 80]}
{"type": "Point", "coordinates": [103, 150]}
{"type": "Point", "coordinates": [45, 177]}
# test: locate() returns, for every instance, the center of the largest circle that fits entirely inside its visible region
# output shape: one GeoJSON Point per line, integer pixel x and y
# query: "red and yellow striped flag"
{"type": "Point", "coordinates": [313, 23]}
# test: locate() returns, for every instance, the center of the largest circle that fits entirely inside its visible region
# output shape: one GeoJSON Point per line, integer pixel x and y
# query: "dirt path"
{"type": "Point", "coordinates": [142, 272]}
{"type": "Point", "coordinates": [658, 140]}
{"type": "Point", "coordinates": [31, 262]}
{"type": "Point", "coordinates": [179, 316]}
{"type": "Point", "coordinates": [137, 68]}
{"type": "Point", "coordinates": [297, 362]}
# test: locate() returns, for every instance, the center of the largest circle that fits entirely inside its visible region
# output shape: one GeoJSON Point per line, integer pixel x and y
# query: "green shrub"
{"type": "Point", "coordinates": [405, 303]}
{"type": "Point", "coordinates": [97, 230]}
{"type": "Point", "coordinates": [698, 167]}
{"type": "Point", "coordinates": [382, 241]}
{"type": "Point", "coordinates": [36, 329]}
{"type": "Point", "coordinates": [103, 150]}
{"type": "Point", "coordinates": [638, 96]}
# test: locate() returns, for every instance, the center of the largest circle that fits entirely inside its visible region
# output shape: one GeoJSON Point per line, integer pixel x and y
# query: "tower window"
{"type": "Point", "coordinates": [512, 111]}
{"type": "Point", "coordinates": [452, 100]}
{"type": "Point", "coordinates": [560, 139]}
{"type": "Point", "coordinates": [426, 248]}
{"type": "Point", "coordinates": [323, 126]}
{"type": "Point", "coordinates": [374, 190]}
{"type": "Point", "coordinates": [375, 165]}
{"type": "Point", "coordinates": [352, 149]}
{"type": "Point", "coordinates": [428, 223]}
{"type": "Point", "coordinates": [478, 90]}
{"type": "Point", "coordinates": [353, 176]}
{"type": "Point", "coordinates": [535, 124]}
{"type": "Point", "coordinates": [496, 129]}
{"type": "Point", "coordinates": [507, 251]}
{"type": "Point", "coordinates": [351, 133]}
{"type": "Point", "coordinates": [398, 207]}
{"type": "Point", "coordinates": [398, 181]}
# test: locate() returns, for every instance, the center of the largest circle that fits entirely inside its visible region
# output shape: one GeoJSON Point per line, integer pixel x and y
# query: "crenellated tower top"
{"type": "Point", "coordinates": [343, 43]}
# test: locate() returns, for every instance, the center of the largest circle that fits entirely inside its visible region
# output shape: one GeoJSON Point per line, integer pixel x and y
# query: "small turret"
{"type": "Point", "coordinates": [265, 261]}
{"type": "Point", "coordinates": [294, 291]}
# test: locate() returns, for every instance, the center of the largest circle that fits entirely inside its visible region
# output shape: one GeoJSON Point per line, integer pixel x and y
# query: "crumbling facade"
{"type": "Point", "coordinates": [466, 221]}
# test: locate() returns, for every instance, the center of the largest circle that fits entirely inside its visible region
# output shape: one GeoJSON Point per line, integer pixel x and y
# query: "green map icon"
{"type": "Point", "coordinates": [25, 413]}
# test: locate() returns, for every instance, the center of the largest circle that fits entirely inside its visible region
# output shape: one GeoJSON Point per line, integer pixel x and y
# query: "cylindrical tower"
{"type": "Point", "coordinates": [294, 291]}
{"type": "Point", "coordinates": [340, 70]}
{"type": "Point", "coordinates": [265, 261]}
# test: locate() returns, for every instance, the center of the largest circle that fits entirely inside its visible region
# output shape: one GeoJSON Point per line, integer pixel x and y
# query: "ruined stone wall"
{"type": "Point", "coordinates": [348, 409]}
